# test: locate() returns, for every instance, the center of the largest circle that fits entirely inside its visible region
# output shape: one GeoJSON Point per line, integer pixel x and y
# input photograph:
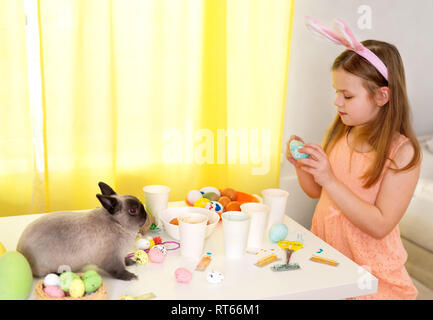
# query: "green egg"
{"type": "Point", "coordinates": [212, 196]}
{"type": "Point", "coordinates": [16, 279]}
{"type": "Point", "coordinates": [66, 279]}
{"type": "Point", "coordinates": [92, 281]}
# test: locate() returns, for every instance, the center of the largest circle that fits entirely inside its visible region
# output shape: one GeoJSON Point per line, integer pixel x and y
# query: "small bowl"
{"type": "Point", "coordinates": [173, 230]}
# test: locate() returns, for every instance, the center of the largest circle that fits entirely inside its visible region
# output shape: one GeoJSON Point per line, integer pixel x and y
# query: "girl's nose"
{"type": "Point", "coordinates": [339, 101]}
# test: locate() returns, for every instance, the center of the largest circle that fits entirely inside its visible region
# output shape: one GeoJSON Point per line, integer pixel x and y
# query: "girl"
{"type": "Point", "coordinates": [368, 168]}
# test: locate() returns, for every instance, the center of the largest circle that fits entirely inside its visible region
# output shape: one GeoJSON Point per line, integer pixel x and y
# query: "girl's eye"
{"type": "Point", "coordinates": [347, 97]}
{"type": "Point", "coordinates": [132, 210]}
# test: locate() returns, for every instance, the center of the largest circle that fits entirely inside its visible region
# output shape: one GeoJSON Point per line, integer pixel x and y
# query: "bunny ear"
{"type": "Point", "coordinates": [322, 31]}
{"type": "Point", "coordinates": [345, 32]}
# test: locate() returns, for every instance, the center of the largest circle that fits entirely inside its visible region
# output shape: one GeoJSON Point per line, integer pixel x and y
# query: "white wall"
{"type": "Point", "coordinates": [309, 107]}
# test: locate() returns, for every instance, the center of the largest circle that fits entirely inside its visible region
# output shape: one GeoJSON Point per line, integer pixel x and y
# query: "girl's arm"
{"type": "Point", "coordinates": [394, 197]}
{"type": "Point", "coordinates": [306, 180]}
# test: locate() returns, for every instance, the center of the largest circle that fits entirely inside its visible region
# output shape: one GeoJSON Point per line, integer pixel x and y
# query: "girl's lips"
{"type": "Point", "coordinates": [342, 113]}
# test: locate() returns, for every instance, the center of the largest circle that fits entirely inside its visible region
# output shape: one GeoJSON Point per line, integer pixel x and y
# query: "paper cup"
{"type": "Point", "coordinates": [192, 230]}
{"type": "Point", "coordinates": [236, 225]}
{"type": "Point", "coordinates": [156, 199]}
{"type": "Point", "coordinates": [259, 218]}
{"type": "Point", "coordinates": [276, 199]}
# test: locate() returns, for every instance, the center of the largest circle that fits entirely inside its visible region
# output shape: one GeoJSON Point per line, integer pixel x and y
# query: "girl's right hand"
{"type": "Point", "coordinates": [289, 154]}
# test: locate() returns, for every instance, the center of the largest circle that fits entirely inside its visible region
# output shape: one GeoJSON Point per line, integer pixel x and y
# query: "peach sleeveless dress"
{"type": "Point", "coordinates": [384, 258]}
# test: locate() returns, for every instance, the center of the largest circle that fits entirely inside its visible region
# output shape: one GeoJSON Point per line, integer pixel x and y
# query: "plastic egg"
{"type": "Point", "coordinates": [156, 256]}
{"type": "Point", "coordinates": [142, 244]}
{"type": "Point", "coordinates": [182, 275]}
{"type": "Point", "coordinates": [215, 277]}
{"type": "Point", "coordinates": [278, 232]}
{"type": "Point", "coordinates": [52, 279]}
{"type": "Point", "coordinates": [54, 292]}
{"type": "Point", "coordinates": [66, 279]}
{"type": "Point", "coordinates": [201, 203]}
{"type": "Point", "coordinates": [193, 196]}
{"type": "Point", "coordinates": [224, 200]}
{"type": "Point", "coordinates": [16, 279]}
{"type": "Point", "coordinates": [141, 257]}
{"type": "Point", "coordinates": [294, 146]}
{"type": "Point", "coordinates": [77, 288]}
{"type": "Point", "coordinates": [210, 189]}
{"type": "Point", "coordinates": [214, 206]}
{"type": "Point", "coordinates": [92, 281]}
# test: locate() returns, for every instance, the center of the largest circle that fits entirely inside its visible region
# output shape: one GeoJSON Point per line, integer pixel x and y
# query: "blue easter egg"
{"type": "Point", "coordinates": [294, 146]}
{"type": "Point", "coordinates": [278, 232]}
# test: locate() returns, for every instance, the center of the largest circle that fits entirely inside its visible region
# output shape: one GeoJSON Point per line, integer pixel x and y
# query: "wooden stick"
{"type": "Point", "coordinates": [324, 260]}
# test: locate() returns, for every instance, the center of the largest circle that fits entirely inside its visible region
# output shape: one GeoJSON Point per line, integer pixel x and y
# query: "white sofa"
{"type": "Point", "coordinates": [416, 226]}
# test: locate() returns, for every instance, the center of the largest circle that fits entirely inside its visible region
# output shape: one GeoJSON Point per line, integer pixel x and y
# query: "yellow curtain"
{"type": "Point", "coordinates": [17, 165]}
{"type": "Point", "coordinates": [185, 93]}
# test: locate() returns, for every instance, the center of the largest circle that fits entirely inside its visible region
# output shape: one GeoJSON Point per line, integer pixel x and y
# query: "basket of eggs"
{"type": "Point", "coordinates": [219, 201]}
{"type": "Point", "coordinates": [71, 286]}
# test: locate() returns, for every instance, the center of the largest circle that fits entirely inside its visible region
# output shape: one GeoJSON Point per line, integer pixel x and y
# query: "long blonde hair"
{"type": "Point", "coordinates": [393, 117]}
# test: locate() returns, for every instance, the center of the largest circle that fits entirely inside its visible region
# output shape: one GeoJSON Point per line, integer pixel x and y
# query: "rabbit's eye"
{"type": "Point", "coordinates": [132, 210]}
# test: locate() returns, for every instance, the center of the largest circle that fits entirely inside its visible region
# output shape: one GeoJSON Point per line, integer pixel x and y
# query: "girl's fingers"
{"type": "Point", "coordinates": [307, 162]}
{"type": "Point", "coordinates": [308, 170]}
{"type": "Point", "coordinates": [315, 155]}
{"type": "Point", "coordinates": [316, 147]}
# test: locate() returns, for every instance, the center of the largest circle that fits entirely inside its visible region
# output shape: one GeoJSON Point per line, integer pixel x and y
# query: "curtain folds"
{"type": "Point", "coordinates": [185, 93]}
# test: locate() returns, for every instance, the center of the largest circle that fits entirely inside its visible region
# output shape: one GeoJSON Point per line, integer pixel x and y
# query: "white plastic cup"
{"type": "Point", "coordinates": [276, 199]}
{"type": "Point", "coordinates": [236, 225]}
{"type": "Point", "coordinates": [156, 199]}
{"type": "Point", "coordinates": [259, 218]}
{"type": "Point", "coordinates": [192, 230]}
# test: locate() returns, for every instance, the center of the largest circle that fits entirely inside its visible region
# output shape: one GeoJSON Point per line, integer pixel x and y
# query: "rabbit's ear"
{"type": "Point", "coordinates": [106, 189]}
{"type": "Point", "coordinates": [108, 202]}
{"type": "Point", "coordinates": [323, 32]}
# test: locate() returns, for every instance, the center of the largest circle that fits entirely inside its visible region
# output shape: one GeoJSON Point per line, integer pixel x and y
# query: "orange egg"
{"type": "Point", "coordinates": [224, 200]}
{"type": "Point", "coordinates": [233, 206]}
{"type": "Point", "coordinates": [231, 193]}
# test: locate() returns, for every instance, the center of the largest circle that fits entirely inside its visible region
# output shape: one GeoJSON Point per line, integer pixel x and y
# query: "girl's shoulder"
{"type": "Point", "coordinates": [402, 151]}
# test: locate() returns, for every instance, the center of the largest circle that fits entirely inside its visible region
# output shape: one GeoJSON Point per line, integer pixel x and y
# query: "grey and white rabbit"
{"type": "Point", "coordinates": [101, 237]}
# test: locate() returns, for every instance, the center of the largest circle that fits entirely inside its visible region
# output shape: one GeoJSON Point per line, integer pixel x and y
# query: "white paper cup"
{"type": "Point", "coordinates": [156, 199]}
{"type": "Point", "coordinates": [236, 225]}
{"type": "Point", "coordinates": [259, 218]}
{"type": "Point", "coordinates": [192, 230]}
{"type": "Point", "coordinates": [276, 199]}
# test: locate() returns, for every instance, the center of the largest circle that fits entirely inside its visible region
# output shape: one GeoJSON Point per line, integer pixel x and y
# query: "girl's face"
{"type": "Point", "coordinates": [354, 103]}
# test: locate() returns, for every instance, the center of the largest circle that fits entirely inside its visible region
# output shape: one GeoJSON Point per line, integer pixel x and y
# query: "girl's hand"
{"type": "Point", "coordinates": [317, 164]}
{"type": "Point", "coordinates": [289, 154]}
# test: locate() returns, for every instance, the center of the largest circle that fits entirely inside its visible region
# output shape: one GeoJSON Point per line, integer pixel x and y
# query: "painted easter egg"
{"type": "Point", "coordinates": [142, 244]}
{"type": "Point", "coordinates": [16, 279]}
{"type": "Point", "coordinates": [161, 248]}
{"type": "Point", "coordinates": [66, 279]}
{"type": "Point", "coordinates": [231, 193]}
{"type": "Point", "coordinates": [193, 196]}
{"type": "Point", "coordinates": [212, 196]}
{"type": "Point", "coordinates": [201, 203]}
{"type": "Point", "coordinates": [214, 206]}
{"type": "Point", "coordinates": [278, 232]}
{"type": "Point", "coordinates": [156, 256]}
{"type": "Point", "coordinates": [54, 292]}
{"type": "Point", "coordinates": [294, 146]}
{"type": "Point", "coordinates": [210, 189]}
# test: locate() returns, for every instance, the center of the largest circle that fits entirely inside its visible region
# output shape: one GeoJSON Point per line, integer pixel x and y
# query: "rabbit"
{"type": "Point", "coordinates": [100, 237]}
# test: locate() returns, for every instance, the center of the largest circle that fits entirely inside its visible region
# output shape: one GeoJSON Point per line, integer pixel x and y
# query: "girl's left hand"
{"type": "Point", "coordinates": [317, 164]}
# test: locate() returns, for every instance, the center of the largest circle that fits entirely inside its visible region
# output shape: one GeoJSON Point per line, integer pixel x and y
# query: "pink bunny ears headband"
{"type": "Point", "coordinates": [344, 36]}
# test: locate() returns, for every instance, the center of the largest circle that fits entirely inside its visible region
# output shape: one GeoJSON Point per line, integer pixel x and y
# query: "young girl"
{"type": "Point", "coordinates": [367, 170]}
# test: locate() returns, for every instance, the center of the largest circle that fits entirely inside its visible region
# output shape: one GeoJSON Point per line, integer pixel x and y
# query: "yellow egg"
{"type": "Point", "coordinates": [201, 203]}
{"type": "Point", "coordinates": [77, 288]}
{"type": "Point", "coordinates": [2, 249]}
{"type": "Point", "coordinates": [140, 256]}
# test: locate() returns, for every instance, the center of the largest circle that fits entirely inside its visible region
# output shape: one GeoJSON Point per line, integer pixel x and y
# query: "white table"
{"type": "Point", "coordinates": [242, 279]}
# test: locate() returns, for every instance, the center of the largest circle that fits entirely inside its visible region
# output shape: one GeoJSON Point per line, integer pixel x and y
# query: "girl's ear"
{"type": "Point", "coordinates": [382, 96]}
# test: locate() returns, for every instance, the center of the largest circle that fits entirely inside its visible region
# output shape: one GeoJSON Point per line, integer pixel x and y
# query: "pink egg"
{"type": "Point", "coordinates": [155, 255]}
{"type": "Point", "coordinates": [182, 275]}
{"type": "Point", "coordinates": [54, 292]}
